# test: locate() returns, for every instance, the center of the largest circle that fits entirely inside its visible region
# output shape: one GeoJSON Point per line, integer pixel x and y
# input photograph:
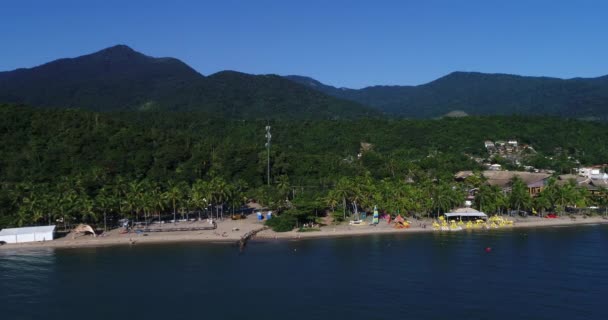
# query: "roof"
{"type": "Point", "coordinates": [26, 230]}
{"type": "Point", "coordinates": [503, 178]}
{"type": "Point", "coordinates": [599, 183]}
{"type": "Point", "coordinates": [565, 179]}
{"type": "Point", "coordinates": [466, 212]}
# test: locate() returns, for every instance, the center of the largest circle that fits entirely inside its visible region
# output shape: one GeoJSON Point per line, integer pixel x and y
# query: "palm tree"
{"type": "Point", "coordinates": [344, 190]}
{"type": "Point", "coordinates": [199, 195]}
{"type": "Point", "coordinates": [602, 199]}
{"type": "Point", "coordinates": [104, 202]}
{"type": "Point", "coordinates": [174, 195]}
{"type": "Point", "coordinates": [331, 200]}
{"type": "Point", "coordinates": [85, 207]}
{"type": "Point", "coordinates": [22, 218]}
{"type": "Point", "coordinates": [67, 203]}
{"type": "Point", "coordinates": [445, 197]}
{"type": "Point", "coordinates": [147, 202]}
{"type": "Point", "coordinates": [489, 198]}
{"type": "Point", "coordinates": [156, 196]}
{"type": "Point", "coordinates": [519, 198]}
{"type": "Point", "coordinates": [134, 197]}
{"type": "Point", "coordinates": [283, 187]}
{"type": "Point", "coordinates": [219, 192]}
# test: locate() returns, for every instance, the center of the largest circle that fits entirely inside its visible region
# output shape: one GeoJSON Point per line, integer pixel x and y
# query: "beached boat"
{"type": "Point", "coordinates": [357, 223]}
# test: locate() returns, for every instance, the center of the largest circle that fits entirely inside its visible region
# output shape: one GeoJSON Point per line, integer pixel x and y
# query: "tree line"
{"type": "Point", "coordinates": [65, 164]}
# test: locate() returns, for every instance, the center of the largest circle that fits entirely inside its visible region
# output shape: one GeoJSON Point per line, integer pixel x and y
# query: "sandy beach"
{"type": "Point", "coordinates": [230, 231]}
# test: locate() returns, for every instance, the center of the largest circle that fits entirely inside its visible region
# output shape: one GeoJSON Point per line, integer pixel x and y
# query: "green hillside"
{"type": "Point", "coordinates": [121, 79]}
{"type": "Point", "coordinates": [81, 165]}
{"type": "Point", "coordinates": [482, 94]}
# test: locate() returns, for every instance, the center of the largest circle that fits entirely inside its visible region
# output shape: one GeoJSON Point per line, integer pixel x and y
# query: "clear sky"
{"type": "Point", "coordinates": [342, 43]}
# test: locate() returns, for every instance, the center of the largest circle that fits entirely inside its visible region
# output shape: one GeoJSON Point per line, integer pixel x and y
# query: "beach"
{"type": "Point", "coordinates": [231, 231]}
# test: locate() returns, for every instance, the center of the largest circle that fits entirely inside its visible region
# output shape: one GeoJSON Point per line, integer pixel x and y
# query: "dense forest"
{"type": "Point", "coordinates": [74, 165]}
{"type": "Point", "coordinates": [481, 94]}
{"type": "Point", "coordinates": [121, 79]}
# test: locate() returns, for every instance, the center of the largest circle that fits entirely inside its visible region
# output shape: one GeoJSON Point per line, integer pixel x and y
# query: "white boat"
{"type": "Point", "coordinates": [357, 223]}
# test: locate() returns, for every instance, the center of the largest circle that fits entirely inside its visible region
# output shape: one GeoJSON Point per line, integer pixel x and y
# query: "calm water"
{"type": "Point", "coordinates": [558, 273]}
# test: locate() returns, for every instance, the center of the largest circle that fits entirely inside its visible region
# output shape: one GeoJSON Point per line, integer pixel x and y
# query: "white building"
{"type": "Point", "coordinates": [593, 173]}
{"type": "Point", "coordinates": [27, 234]}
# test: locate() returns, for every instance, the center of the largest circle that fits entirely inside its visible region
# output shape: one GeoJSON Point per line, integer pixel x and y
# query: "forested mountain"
{"type": "Point", "coordinates": [119, 78]}
{"type": "Point", "coordinates": [42, 145]}
{"type": "Point", "coordinates": [482, 94]}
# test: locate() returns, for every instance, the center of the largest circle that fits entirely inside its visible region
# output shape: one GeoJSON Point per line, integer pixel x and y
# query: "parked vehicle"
{"type": "Point", "coordinates": [521, 213]}
{"type": "Point", "coordinates": [551, 216]}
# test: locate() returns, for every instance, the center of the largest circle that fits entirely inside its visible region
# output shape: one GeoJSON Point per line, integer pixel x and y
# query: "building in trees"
{"type": "Point", "coordinates": [535, 182]}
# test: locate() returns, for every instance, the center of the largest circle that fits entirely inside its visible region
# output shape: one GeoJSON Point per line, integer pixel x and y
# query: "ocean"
{"type": "Point", "coordinates": [544, 273]}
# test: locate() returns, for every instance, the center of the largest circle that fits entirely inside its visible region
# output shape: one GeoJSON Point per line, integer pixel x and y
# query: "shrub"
{"type": "Point", "coordinates": [282, 223]}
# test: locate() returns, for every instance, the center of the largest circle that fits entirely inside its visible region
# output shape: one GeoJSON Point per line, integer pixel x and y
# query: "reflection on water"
{"type": "Point", "coordinates": [552, 273]}
{"type": "Point", "coordinates": [25, 276]}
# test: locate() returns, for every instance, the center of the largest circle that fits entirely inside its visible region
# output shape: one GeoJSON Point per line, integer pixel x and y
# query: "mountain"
{"type": "Point", "coordinates": [121, 79]}
{"type": "Point", "coordinates": [482, 94]}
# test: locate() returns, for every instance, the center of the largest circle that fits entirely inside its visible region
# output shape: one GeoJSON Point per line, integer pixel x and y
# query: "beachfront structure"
{"type": "Point", "coordinates": [535, 181]}
{"type": "Point", "coordinates": [592, 173]}
{"type": "Point", "coordinates": [27, 234]}
{"type": "Point", "coordinates": [466, 214]}
{"type": "Point", "coordinates": [594, 185]}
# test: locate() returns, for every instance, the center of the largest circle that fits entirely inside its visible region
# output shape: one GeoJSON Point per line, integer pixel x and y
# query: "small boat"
{"type": "Point", "coordinates": [357, 223]}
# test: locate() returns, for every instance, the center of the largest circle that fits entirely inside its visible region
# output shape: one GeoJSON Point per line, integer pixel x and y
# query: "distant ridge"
{"type": "Point", "coordinates": [482, 94]}
{"type": "Point", "coordinates": [119, 78]}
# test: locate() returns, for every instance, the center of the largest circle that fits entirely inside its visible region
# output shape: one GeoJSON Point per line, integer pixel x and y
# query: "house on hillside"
{"type": "Point", "coordinates": [534, 181]}
{"type": "Point", "coordinates": [595, 172]}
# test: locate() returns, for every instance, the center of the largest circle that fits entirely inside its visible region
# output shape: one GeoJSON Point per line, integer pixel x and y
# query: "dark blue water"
{"type": "Point", "coordinates": [558, 273]}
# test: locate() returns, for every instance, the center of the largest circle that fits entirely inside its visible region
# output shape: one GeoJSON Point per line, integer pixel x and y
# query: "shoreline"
{"type": "Point", "coordinates": [230, 232]}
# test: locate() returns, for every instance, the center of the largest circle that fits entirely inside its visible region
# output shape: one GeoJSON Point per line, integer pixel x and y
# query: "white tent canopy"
{"type": "Point", "coordinates": [466, 212]}
{"type": "Point", "coordinates": [27, 234]}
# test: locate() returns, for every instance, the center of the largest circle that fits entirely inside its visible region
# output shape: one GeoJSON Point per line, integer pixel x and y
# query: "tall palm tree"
{"type": "Point", "coordinates": [489, 199]}
{"type": "Point", "coordinates": [331, 200]}
{"type": "Point", "coordinates": [67, 204]}
{"type": "Point", "coordinates": [219, 192]}
{"type": "Point", "coordinates": [134, 197]}
{"type": "Point", "coordinates": [158, 202]}
{"type": "Point", "coordinates": [519, 198]}
{"type": "Point", "coordinates": [174, 195]}
{"type": "Point", "coordinates": [86, 207]}
{"type": "Point", "coordinates": [445, 197]}
{"type": "Point", "coordinates": [344, 191]}
{"type": "Point", "coordinates": [283, 187]}
{"type": "Point", "coordinates": [104, 202]}
{"type": "Point", "coordinates": [602, 199]}
{"type": "Point", "coordinates": [199, 195]}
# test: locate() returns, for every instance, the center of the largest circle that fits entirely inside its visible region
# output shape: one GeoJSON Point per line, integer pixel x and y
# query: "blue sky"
{"type": "Point", "coordinates": [342, 43]}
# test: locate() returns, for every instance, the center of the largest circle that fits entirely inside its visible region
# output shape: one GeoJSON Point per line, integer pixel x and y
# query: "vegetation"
{"type": "Point", "coordinates": [69, 166]}
{"type": "Point", "coordinates": [482, 94]}
{"type": "Point", "coordinates": [121, 79]}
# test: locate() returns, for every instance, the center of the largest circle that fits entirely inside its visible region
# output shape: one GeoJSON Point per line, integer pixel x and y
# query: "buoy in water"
{"type": "Point", "coordinates": [488, 249]}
